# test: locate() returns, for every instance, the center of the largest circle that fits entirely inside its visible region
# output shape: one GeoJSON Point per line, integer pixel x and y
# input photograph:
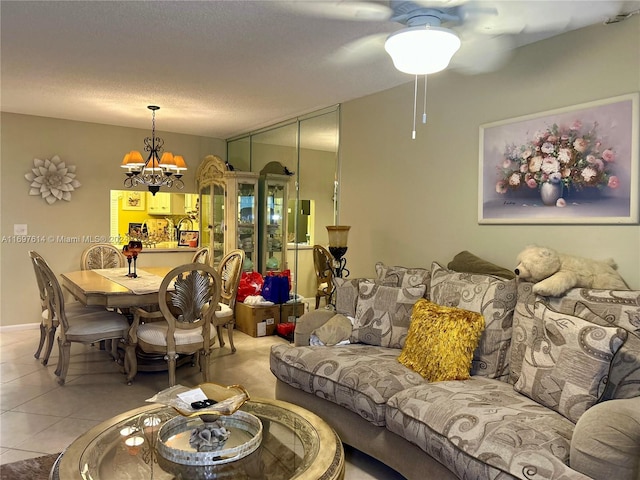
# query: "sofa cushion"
{"type": "Point", "coordinates": [360, 378]}
{"type": "Point", "coordinates": [397, 276]}
{"type": "Point", "coordinates": [619, 308]}
{"type": "Point", "coordinates": [346, 295]}
{"type": "Point", "coordinates": [566, 367]}
{"type": "Point", "coordinates": [468, 262]}
{"type": "Point", "coordinates": [495, 299]}
{"type": "Point", "coordinates": [383, 314]}
{"type": "Point", "coordinates": [337, 329]}
{"type": "Point", "coordinates": [441, 341]}
{"type": "Point", "coordinates": [486, 419]}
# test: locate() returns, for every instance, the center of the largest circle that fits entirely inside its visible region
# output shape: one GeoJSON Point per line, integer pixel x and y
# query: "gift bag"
{"type": "Point", "coordinates": [250, 284]}
{"type": "Point", "coordinates": [276, 289]}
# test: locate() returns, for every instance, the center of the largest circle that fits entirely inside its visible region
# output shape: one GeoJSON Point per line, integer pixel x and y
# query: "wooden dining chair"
{"type": "Point", "coordinates": [101, 255]}
{"type": "Point", "coordinates": [188, 298]}
{"type": "Point", "coordinates": [79, 324]}
{"type": "Point", "coordinates": [230, 270]}
{"type": "Point", "coordinates": [322, 261]}
{"type": "Point", "coordinates": [48, 323]}
{"type": "Point", "coordinates": [202, 255]}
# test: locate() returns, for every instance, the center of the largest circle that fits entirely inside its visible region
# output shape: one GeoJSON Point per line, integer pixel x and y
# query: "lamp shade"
{"type": "Point", "coordinates": [135, 159]}
{"type": "Point", "coordinates": [338, 235]}
{"type": "Point", "coordinates": [180, 164]}
{"type": "Point", "coordinates": [167, 160]}
{"type": "Point", "coordinates": [422, 50]}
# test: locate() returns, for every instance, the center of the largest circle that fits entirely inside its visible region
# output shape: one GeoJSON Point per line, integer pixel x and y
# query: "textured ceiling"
{"type": "Point", "coordinates": [216, 68]}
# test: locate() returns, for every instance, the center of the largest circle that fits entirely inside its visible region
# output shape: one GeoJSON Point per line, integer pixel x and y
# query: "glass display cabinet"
{"type": "Point", "coordinates": [228, 210]}
{"type": "Point", "coordinates": [273, 219]}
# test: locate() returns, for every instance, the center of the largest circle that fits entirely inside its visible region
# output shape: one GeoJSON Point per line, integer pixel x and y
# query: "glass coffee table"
{"type": "Point", "coordinates": [296, 444]}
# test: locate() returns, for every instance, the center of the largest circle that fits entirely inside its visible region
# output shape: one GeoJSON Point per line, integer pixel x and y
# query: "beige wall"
{"type": "Point", "coordinates": [96, 151]}
{"type": "Point", "coordinates": [414, 201]}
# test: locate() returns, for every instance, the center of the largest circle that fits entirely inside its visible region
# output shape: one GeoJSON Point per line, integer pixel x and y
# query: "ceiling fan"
{"type": "Point", "coordinates": [473, 36]}
{"type": "Point", "coordinates": [487, 30]}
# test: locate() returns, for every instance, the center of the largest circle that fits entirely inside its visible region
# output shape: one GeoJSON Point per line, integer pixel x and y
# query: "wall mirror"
{"type": "Point", "coordinates": [308, 147]}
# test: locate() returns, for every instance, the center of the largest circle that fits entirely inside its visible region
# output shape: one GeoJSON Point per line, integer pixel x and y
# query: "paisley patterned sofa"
{"type": "Point", "coordinates": [533, 408]}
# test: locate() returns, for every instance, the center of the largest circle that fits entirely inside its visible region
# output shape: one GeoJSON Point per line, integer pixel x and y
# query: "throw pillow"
{"type": "Point", "coordinates": [337, 329]}
{"type": "Point", "coordinates": [624, 377]}
{"type": "Point", "coordinates": [346, 295]}
{"type": "Point", "coordinates": [468, 262]}
{"type": "Point", "coordinates": [567, 365]}
{"type": "Point", "coordinates": [402, 276]}
{"type": "Point", "coordinates": [441, 341]}
{"type": "Point", "coordinates": [383, 314]}
{"type": "Point", "coordinates": [493, 297]}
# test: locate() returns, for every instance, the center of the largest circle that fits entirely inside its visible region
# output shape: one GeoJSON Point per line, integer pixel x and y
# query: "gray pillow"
{"type": "Point", "coordinates": [402, 276]}
{"type": "Point", "coordinates": [495, 299]}
{"type": "Point", "coordinates": [567, 366]}
{"type": "Point", "coordinates": [337, 329]}
{"type": "Point", "coordinates": [383, 314]}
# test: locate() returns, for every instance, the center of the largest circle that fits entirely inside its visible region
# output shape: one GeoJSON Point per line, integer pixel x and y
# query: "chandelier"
{"type": "Point", "coordinates": [157, 171]}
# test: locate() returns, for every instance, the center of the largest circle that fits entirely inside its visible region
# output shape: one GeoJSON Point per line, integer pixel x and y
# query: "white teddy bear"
{"type": "Point", "coordinates": [555, 273]}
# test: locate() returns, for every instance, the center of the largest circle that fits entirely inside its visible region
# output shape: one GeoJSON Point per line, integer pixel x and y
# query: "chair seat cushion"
{"type": "Point", "coordinates": [155, 333]}
{"type": "Point", "coordinates": [224, 312]}
{"type": "Point", "coordinates": [103, 324]}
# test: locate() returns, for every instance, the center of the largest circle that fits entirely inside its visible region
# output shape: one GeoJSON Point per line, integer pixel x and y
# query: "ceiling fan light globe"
{"type": "Point", "coordinates": [422, 50]}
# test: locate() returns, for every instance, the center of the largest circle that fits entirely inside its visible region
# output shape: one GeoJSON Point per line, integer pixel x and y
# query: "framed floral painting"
{"type": "Point", "coordinates": [572, 165]}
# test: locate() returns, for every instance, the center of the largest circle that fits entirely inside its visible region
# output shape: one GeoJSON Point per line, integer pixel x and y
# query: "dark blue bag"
{"type": "Point", "coordinates": [276, 289]}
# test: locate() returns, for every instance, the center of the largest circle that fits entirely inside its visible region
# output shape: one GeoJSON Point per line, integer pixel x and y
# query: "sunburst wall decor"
{"type": "Point", "coordinates": [53, 179]}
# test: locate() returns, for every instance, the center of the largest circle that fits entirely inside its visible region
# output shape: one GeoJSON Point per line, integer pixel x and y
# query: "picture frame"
{"type": "Point", "coordinates": [573, 165]}
{"type": "Point", "coordinates": [134, 200]}
{"type": "Point", "coordinates": [189, 238]}
{"type": "Point", "coordinates": [137, 230]}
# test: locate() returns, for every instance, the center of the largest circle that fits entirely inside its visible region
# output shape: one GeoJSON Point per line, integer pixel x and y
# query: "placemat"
{"type": "Point", "coordinates": [145, 282]}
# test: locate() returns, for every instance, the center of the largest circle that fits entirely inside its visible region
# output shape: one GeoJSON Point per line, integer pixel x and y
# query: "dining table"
{"type": "Point", "coordinates": [112, 288]}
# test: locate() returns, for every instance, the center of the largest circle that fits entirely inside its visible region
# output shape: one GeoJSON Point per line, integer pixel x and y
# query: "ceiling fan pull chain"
{"type": "Point", "coordinates": [424, 110]}
{"type": "Point", "coordinates": [415, 105]}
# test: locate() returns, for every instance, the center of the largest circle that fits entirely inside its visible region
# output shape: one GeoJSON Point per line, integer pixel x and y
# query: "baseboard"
{"type": "Point", "coordinates": [16, 328]}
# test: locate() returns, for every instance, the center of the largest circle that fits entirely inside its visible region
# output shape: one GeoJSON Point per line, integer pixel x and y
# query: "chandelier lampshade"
{"type": "Point", "coordinates": [422, 50]}
{"type": "Point", "coordinates": [160, 169]}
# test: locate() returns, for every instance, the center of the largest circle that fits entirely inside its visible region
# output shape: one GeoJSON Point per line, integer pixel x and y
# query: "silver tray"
{"type": "Point", "coordinates": [245, 438]}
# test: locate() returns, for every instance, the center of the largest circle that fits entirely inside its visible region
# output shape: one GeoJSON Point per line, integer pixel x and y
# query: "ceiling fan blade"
{"type": "Point", "coordinates": [363, 50]}
{"type": "Point", "coordinates": [498, 17]}
{"type": "Point", "coordinates": [482, 53]}
{"type": "Point", "coordinates": [365, 11]}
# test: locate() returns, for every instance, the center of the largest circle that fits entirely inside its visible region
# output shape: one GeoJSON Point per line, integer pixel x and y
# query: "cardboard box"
{"type": "Point", "coordinates": [290, 311]}
{"type": "Point", "coordinates": [257, 321]}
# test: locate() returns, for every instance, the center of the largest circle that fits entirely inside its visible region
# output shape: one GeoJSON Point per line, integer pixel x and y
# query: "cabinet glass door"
{"type": "Point", "coordinates": [275, 215]}
{"type": "Point", "coordinates": [246, 221]}
{"type": "Point", "coordinates": [206, 219]}
{"type": "Point", "coordinates": [219, 225]}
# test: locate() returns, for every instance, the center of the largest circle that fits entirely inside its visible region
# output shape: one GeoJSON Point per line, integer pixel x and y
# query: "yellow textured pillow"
{"type": "Point", "coordinates": [441, 341]}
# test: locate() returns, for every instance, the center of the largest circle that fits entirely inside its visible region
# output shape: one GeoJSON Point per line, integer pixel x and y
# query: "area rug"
{"type": "Point", "coordinates": [37, 468]}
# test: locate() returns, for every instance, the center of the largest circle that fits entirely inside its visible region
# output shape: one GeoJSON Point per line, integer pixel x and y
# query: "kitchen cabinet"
{"type": "Point", "coordinates": [165, 203]}
{"type": "Point", "coordinates": [191, 203]}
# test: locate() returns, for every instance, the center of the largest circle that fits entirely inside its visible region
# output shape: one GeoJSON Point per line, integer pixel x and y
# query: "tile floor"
{"type": "Point", "coordinates": [37, 416]}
